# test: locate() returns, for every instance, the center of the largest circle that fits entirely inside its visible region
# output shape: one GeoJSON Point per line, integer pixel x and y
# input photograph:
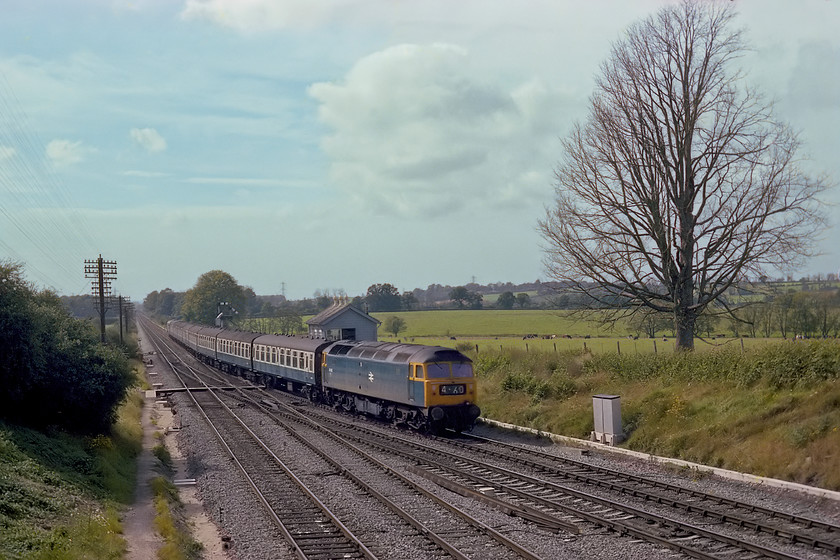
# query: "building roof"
{"type": "Point", "coordinates": [335, 310]}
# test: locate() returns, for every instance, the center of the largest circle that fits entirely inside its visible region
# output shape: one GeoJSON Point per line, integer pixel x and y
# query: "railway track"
{"type": "Point", "coordinates": [786, 527]}
{"type": "Point", "coordinates": [552, 493]}
{"type": "Point", "coordinates": [450, 530]}
{"type": "Point", "coordinates": [548, 494]}
{"type": "Point", "coordinates": [309, 527]}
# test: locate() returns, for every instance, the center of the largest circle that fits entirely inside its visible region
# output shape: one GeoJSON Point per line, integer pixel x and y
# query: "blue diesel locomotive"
{"type": "Point", "coordinates": [425, 387]}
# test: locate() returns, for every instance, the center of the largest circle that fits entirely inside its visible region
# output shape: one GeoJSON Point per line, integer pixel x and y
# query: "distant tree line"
{"type": "Point", "coordinates": [53, 369]}
{"type": "Point", "coordinates": [769, 312]}
{"type": "Point", "coordinates": [792, 314]}
{"type": "Point", "coordinates": [202, 302]}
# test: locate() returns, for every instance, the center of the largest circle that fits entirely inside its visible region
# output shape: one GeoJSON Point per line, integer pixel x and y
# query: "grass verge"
{"type": "Point", "coordinates": [60, 495]}
{"type": "Point", "coordinates": [771, 411]}
{"type": "Point", "coordinates": [170, 524]}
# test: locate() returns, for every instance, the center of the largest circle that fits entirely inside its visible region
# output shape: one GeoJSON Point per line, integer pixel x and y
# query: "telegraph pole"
{"type": "Point", "coordinates": [125, 305]}
{"type": "Point", "coordinates": [101, 273]}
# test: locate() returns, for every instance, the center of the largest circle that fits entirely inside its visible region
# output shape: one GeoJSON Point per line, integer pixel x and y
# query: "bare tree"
{"type": "Point", "coordinates": [681, 183]}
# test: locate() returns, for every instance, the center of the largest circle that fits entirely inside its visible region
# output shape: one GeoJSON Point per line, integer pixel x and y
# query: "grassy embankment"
{"type": "Point", "coordinates": [772, 411]}
{"type": "Point", "coordinates": [61, 495]}
{"type": "Point", "coordinates": [771, 408]}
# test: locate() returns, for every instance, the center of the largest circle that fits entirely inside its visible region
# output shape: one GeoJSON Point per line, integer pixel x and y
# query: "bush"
{"type": "Point", "coordinates": [162, 454]}
{"type": "Point", "coordinates": [53, 369]}
{"type": "Point", "coordinates": [785, 364]}
{"type": "Point", "coordinates": [464, 347]}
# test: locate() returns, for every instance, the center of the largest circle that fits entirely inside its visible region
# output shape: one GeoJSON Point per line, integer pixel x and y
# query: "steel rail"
{"type": "Point", "coordinates": [416, 523]}
{"type": "Point", "coordinates": [291, 539]}
{"type": "Point", "coordinates": [612, 524]}
{"type": "Point", "coordinates": [737, 520]}
{"type": "Point", "coordinates": [525, 513]}
{"type": "Point", "coordinates": [428, 533]}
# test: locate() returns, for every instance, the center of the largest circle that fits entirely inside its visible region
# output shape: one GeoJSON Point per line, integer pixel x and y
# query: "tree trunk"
{"type": "Point", "coordinates": [684, 321]}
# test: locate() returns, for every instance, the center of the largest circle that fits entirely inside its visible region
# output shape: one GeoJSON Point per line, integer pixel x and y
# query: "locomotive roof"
{"type": "Point", "coordinates": [395, 352]}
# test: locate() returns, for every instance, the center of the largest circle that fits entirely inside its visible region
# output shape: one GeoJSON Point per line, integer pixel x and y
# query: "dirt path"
{"type": "Point", "coordinates": [138, 528]}
{"type": "Point", "coordinates": [138, 520]}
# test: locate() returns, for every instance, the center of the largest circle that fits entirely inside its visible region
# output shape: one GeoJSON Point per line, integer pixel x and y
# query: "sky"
{"type": "Point", "coordinates": [309, 146]}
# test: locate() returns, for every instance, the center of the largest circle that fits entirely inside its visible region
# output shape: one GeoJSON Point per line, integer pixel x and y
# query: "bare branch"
{"type": "Point", "coordinates": [681, 183]}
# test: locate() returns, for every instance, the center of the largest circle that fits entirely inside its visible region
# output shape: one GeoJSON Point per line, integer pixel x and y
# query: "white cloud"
{"type": "Point", "coordinates": [65, 152]}
{"type": "Point", "coordinates": [414, 128]}
{"type": "Point", "coordinates": [149, 139]}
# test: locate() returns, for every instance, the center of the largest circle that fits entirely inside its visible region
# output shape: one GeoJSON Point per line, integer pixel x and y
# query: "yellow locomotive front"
{"type": "Point", "coordinates": [449, 391]}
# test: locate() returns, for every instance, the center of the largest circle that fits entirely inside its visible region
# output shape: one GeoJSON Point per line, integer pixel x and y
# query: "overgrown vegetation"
{"type": "Point", "coordinates": [169, 523]}
{"type": "Point", "coordinates": [53, 370]}
{"type": "Point", "coordinates": [772, 410]}
{"type": "Point", "coordinates": [60, 493]}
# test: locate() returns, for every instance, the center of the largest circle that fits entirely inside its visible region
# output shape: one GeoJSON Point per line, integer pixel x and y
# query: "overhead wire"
{"type": "Point", "coordinates": [36, 202]}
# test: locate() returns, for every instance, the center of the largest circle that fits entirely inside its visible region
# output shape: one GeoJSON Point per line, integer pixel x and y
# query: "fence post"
{"type": "Point", "coordinates": [618, 345]}
{"type": "Point", "coordinates": [555, 347]}
{"type": "Point", "coordinates": [584, 347]}
{"type": "Point", "coordinates": [476, 348]}
{"type": "Point", "coordinates": [526, 346]}
{"type": "Point", "coordinates": [654, 346]}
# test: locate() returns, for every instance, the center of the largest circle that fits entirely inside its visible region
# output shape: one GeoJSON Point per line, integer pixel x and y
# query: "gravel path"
{"type": "Point", "coordinates": [138, 528]}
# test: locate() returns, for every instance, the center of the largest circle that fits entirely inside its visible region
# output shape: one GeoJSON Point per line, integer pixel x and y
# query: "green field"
{"type": "Point", "coordinates": [494, 322]}
{"type": "Point", "coordinates": [498, 329]}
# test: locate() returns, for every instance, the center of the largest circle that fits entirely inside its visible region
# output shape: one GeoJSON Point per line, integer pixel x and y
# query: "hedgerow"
{"type": "Point", "coordinates": [786, 364]}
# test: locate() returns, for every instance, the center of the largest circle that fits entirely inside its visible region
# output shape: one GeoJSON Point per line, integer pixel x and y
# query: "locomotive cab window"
{"type": "Point", "coordinates": [437, 370]}
{"type": "Point", "coordinates": [418, 372]}
{"type": "Point", "coordinates": [462, 370]}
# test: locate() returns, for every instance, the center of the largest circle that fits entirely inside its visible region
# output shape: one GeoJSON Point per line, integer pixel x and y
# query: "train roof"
{"type": "Point", "coordinates": [306, 343]}
{"type": "Point", "coordinates": [241, 336]}
{"type": "Point", "coordinates": [193, 328]}
{"type": "Point", "coordinates": [395, 352]}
